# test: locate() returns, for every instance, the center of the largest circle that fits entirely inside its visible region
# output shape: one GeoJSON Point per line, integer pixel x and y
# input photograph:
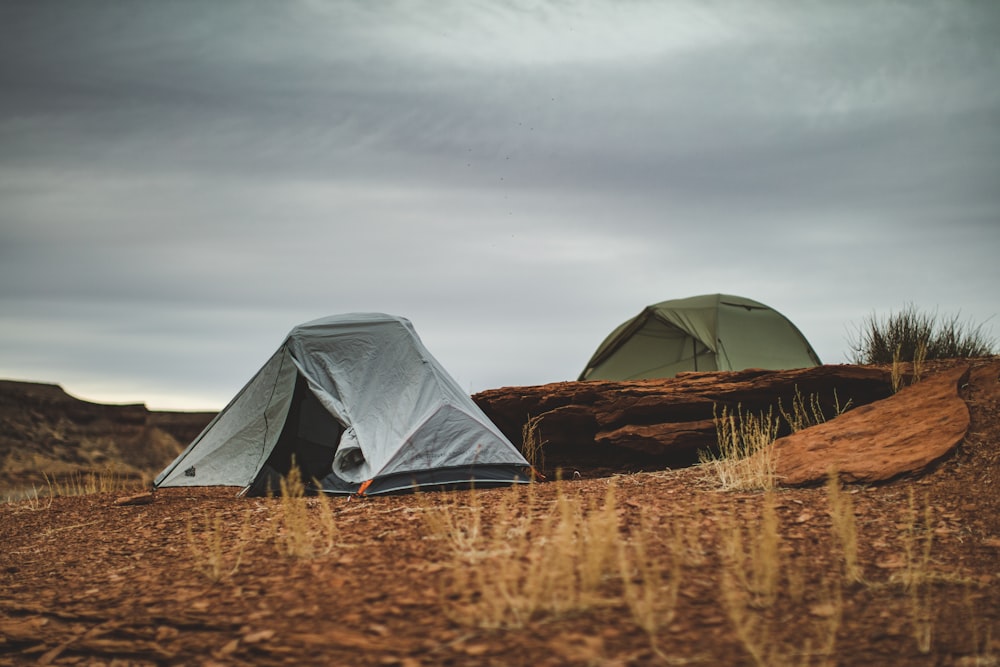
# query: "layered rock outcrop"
{"type": "Point", "coordinates": [598, 427]}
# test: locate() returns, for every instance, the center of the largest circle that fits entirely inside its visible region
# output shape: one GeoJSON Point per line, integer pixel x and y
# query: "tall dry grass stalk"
{"type": "Point", "coordinates": [35, 500]}
{"type": "Point", "coordinates": [844, 528]}
{"type": "Point", "coordinates": [744, 460]}
{"type": "Point", "coordinates": [896, 371]}
{"type": "Point", "coordinates": [805, 412]}
{"type": "Point", "coordinates": [917, 542]}
{"type": "Point", "coordinates": [297, 536]}
{"type": "Point", "coordinates": [981, 643]}
{"type": "Point", "coordinates": [516, 567]}
{"type": "Point", "coordinates": [532, 444]}
{"type": "Point", "coordinates": [919, 356]}
{"type": "Point", "coordinates": [916, 576]}
{"type": "Point", "coordinates": [214, 552]}
{"type": "Point", "coordinates": [756, 584]}
{"type": "Point", "coordinates": [651, 579]}
{"type": "Point", "coordinates": [917, 367]}
{"type": "Point", "coordinates": [751, 553]}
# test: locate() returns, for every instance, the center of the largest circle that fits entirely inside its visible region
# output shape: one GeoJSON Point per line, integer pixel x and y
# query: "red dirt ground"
{"type": "Point", "coordinates": [86, 581]}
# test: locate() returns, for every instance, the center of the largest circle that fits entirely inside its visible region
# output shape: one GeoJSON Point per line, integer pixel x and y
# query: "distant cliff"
{"type": "Point", "coordinates": [45, 431]}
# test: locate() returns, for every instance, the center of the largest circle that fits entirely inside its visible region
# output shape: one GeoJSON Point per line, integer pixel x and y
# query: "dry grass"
{"type": "Point", "coordinates": [213, 551]}
{"type": "Point", "coordinates": [542, 562]}
{"type": "Point", "coordinates": [917, 577]}
{"type": "Point", "coordinates": [297, 536]}
{"type": "Point", "coordinates": [744, 460]}
{"type": "Point", "coordinates": [36, 500]}
{"type": "Point", "coordinates": [916, 368]}
{"type": "Point", "coordinates": [806, 412]}
{"type": "Point", "coordinates": [110, 480]}
{"type": "Point", "coordinates": [651, 580]}
{"type": "Point", "coordinates": [751, 555]}
{"type": "Point", "coordinates": [756, 582]}
{"type": "Point", "coordinates": [902, 335]}
{"type": "Point", "coordinates": [917, 540]}
{"type": "Point", "coordinates": [844, 528]}
{"type": "Point", "coordinates": [532, 444]}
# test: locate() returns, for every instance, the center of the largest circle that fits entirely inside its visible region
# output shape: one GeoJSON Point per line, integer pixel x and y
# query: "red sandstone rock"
{"type": "Point", "coordinates": [646, 424]}
{"type": "Point", "coordinates": [900, 434]}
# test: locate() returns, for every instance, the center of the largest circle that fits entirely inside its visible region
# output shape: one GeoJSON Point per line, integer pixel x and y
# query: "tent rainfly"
{"type": "Point", "coordinates": [712, 332]}
{"type": "Point", "coordinates": [362, 407]}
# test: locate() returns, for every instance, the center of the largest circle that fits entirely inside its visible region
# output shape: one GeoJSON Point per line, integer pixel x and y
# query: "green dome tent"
{"type": "Point", "coordinates": [712, 332]}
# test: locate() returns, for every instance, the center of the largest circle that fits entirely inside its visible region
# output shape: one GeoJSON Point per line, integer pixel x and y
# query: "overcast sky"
{"type": "Point", "coordinates": [183, 182]}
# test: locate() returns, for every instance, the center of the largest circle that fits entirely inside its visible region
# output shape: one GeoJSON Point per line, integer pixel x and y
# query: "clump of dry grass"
{"type": "Point", "coordinates": [514, 568]}
{"type": "Point", "coordinates": [917, 367]}
{"type": "Point", "coordinates": [916, 576]}
{"type": "Point", "coordinates": [459, 524]}
{"type": "Point", "coordinates": [81, 484]}
{"type": "Point", "coordinates": [532, 444]}
{"type": "Point", "coordinates": [844, 528]}
{"type": "Point", "coordinates": [751, 554]}
{"type": "Point", "coordinates": [110, 480]}
{"type": "Point", "coordinates": [744, 460]}
{"type": "Point", "coordinates": [35, 500]}
{"type": "Point", "coordinates": [650, 579]}
{"type": "Point", "coordinates": [902, 334]}
{"type": "Point", "coordinates": [212, 551]}
{"type": "Point", "coordinates": [756, 583]}
{"type": "Point", "coordinates": [297, 536]}
{"type": "Point", "coordinates": [806, 412]}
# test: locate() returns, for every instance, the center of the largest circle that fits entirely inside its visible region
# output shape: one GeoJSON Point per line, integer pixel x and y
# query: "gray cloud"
{"type": "Point", "coordinates": [183, 182]}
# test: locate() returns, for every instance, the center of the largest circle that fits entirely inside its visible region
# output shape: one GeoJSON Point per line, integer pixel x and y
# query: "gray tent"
{"type": "Point", "coordinates": [712, 332]}
{"type": "Point", "coordinates": [362, 406]}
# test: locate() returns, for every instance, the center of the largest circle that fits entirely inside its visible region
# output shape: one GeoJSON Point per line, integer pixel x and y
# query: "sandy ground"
{"type": "Point", "coordinates": [520, 577]}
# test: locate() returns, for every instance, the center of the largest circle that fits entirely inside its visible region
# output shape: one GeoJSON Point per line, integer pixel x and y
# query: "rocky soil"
{"type": "Point", "coordinates": [204, 577]}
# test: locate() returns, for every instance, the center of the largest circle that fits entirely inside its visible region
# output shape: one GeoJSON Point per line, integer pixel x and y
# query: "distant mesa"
{"type": "Point", "coordinates": [45, 431]}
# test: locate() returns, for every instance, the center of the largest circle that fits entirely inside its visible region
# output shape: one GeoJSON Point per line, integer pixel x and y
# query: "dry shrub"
{"type": "Point", "coordinates": [903, 334]}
